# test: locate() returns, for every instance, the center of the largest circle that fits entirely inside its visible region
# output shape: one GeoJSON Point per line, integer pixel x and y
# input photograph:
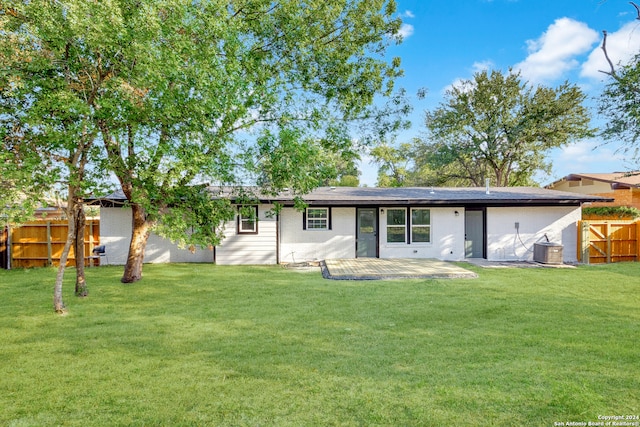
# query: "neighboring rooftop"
{"type": "Point", "coordinates": [627, 179]}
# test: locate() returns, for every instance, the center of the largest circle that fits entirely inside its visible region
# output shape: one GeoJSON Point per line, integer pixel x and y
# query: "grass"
{"type": "Point", "coordinates": [263, 346]}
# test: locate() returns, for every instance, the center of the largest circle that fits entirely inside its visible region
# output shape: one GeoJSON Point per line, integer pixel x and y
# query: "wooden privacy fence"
{"type": "Point", "coordinates": [40, 243]}
{"type": "Point", "coordinates": [608, 241]}
{"type": "Point", "coordinates": [4, 249]}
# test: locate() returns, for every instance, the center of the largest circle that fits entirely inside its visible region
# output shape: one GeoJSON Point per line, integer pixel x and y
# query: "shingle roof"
{"type": "Point", "coordinates": [349, 196]}
{"type": "Point", "coordinates": [630, 179]}
{"type": "Point", "coordinates": [415, 196]}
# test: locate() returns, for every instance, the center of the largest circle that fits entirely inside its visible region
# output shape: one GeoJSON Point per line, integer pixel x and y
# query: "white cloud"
{"type": "Point", "coordinates": [482, 66]}
{"type": "Point", "coordinates": [406, 30]}
{"type": "Point", "coordinates": [555, 52]}
{"type": "Point", "coordinates": [621, 46]}
{"type": "Point", "coordinates": [589, 155]}
{"type": "Point", "coordinates": [467, 83]}
{"type": "Point", "coordinates": [408, 14]}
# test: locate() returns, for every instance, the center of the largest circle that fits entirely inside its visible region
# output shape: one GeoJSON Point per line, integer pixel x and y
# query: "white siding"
{"type": "Point", "coordinates": [447, 237]}
{"type": "Point", "coordinates": [115, 234]}
{"type": "Point", "coordinates": [505, 243]}
{"type": "Point", "coordinates": [250, 248]}
{"type": "Point", "coordinates": [298, 245]}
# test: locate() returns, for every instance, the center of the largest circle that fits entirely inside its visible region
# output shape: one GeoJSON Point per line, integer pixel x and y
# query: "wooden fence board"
{"type": "Point", "coordinates": [608, 241]}
{"type": "Point", "coordinates": [40, 243]}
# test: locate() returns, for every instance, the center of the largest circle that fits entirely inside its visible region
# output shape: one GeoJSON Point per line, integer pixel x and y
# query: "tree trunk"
{"type": "Point", "coordinates": [81, 282]}
{"type": "Point", "coordinates": [58, 304]}
{"type": "Point", "coordinates": [139, 236]}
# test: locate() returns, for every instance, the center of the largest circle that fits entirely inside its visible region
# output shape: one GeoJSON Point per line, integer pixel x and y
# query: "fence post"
{"type": "Point", "coordinates": [584, 242]}
{"type": "Point", "coordinates": [90, 236]}
{"type": "Point", "coordinates": [49, 245]}
{"type": "Point", "coordinates": [609, 248]}
{"type": "Point", "coordinates": [637, 240]}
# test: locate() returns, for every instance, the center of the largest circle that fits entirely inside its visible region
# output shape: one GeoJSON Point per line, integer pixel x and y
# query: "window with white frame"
{"type": "Point", "coordinates": [420, 225]}
{"type": "Point", "coordinates": [396, 225]}
{"type": "Point", "coordinates": [317, 219]}
{"type": "Point", "coordinates": [247, 220]}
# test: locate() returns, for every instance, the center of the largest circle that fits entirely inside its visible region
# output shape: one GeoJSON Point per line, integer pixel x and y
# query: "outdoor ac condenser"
{"type": "Point", "coordinates": [547, 253]}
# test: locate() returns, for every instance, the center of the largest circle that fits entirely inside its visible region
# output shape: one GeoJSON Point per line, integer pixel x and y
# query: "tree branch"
{"type": "Point", "coordinates": [611, 73]}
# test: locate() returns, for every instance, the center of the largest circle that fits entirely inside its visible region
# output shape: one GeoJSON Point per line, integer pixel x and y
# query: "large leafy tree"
{"type": "Point", "coordinates": [620, 106]}
{"type": "Point", "coordinates": [394, 164]}
{"type": "Point", "coordinates": [46, 118]}
{"type": "Point", "coordinates": [226, 92]}
{"type": "Point", "coordinates": [24, 173]}
{"type": "Point", "coordinates": [496, 126]}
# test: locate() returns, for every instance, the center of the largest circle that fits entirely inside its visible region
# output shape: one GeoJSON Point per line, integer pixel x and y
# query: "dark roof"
{"type": "Point", "coordinates": [496, 196]}
{"type": "Point", "coordinates": [411, 196]}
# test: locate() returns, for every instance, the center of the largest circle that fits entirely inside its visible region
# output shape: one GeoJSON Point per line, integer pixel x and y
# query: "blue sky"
{"type": "Point", "coordinates": [548, 41]}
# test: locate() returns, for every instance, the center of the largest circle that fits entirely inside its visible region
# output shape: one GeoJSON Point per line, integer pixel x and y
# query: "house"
{"type": "Point", "coordinates": [623, 187]}
{"type": "Point", "coordinates": [349, 222]}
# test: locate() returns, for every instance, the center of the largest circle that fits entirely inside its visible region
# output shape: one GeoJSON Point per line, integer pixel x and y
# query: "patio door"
{"type": "Point", "coordinates": [367, 233]}
{"type": "Point", "coordinates": [474, 234]}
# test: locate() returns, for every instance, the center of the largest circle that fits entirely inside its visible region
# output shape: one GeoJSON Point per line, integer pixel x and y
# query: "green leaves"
{"type": "Point", "coordinates": [194, 217]}
{"type": "Point", "coordinates": [620, 105]}
{"type": "Point", "coordinates": [180, 93]}
{"type": "Point", "coordinates": [496, 126]}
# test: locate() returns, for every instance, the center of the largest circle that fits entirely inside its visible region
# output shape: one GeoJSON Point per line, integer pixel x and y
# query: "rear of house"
{"type": "Point", "coordinates": [448, 224]}
{"type": "Point", "coordinates": [346, 222]}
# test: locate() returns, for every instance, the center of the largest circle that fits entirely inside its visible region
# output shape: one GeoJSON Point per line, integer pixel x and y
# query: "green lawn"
{"type": "Point", "coordinates": [263, 346]}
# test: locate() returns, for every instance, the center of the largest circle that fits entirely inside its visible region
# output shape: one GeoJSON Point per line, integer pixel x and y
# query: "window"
{"type": "Point", "coordinates": [420, 226]}
{"type": "Point", "coordinates": [396, 225]}
{"type": "Point", "coordinates": [247, 220]}
{"type": "Point", "coordinates": [316, 219]}
{"type": "Point", "coordinates": [419, 223]}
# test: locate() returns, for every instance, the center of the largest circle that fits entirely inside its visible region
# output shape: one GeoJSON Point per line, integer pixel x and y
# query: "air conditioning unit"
{"type": "Point", "coordinates": [547, 253]}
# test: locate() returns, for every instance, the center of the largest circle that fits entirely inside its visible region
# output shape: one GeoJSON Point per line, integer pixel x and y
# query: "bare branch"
{"type": "Point", "coordinates": [637, 9]}
{"type": "Point", "coordinates": [611, 73]}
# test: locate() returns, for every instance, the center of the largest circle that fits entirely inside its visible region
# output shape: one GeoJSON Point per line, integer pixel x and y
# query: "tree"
{"type": "Point", "coordinates": [24, 178]}
{"type": "Point", "coordinates": [47, 103]}
{"type": "Point", "coordinates": [345, 173]}
{"type": "Point", "coordinates": [619, 104]}
{"type": "Point", "coordinates": [394, 164]}
{"type": "Point", "coordinates": [24, 173]}
{"type": "Point", "coordinates": [496, 126]}
{"type": "Point", "coordinates": [620, 99]}
{"type": "Point", "coordinates": [183, 93]}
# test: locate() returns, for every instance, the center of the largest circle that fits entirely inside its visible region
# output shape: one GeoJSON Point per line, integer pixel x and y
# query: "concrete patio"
{"type": "Point", "coordinates": [399, 268]}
